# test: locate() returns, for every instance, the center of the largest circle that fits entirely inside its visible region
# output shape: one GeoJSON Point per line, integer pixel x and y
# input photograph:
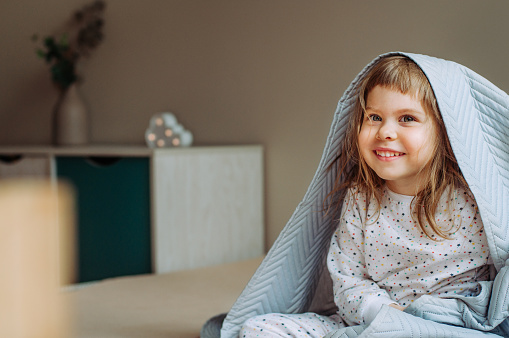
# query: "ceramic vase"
{"type": "Point", "coordinates": [70, 119]}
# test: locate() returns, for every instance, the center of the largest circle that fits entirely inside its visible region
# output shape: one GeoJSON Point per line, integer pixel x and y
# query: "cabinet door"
{"type": "Point", "coordinates": [113, 205]}
{"type": "Point", "coordinates": [208, 206]}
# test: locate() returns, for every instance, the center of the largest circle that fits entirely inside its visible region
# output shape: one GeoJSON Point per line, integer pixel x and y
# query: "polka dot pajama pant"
{"type": "Point", "coordinates": [291, 325]}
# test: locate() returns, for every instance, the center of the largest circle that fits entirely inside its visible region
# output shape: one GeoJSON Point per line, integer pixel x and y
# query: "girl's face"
{"type": "Point", "coordinates": [396, 138]}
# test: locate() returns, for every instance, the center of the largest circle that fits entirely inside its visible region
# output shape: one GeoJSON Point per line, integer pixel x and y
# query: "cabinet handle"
{"type": "Point", "coordinates": [10, 159]}
{"type": "Point", "coordinates": [102, 161]}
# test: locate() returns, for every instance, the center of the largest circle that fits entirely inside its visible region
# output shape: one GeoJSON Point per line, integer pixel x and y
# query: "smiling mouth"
{"type": "Point", "coordinates": [385, 153]}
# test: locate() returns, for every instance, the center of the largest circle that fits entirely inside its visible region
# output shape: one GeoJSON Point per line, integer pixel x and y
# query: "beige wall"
{"type": "Point", "coordinates": [237, 71]}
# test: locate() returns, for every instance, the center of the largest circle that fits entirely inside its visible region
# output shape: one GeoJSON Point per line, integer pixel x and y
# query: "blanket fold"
{"type": "Point", "coordinates": [397, 324]}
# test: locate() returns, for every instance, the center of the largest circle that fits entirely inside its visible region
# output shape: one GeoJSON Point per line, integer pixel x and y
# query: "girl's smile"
{"type": "Point", "coordinates": [396, 138]}
{"type": "Point", "coordinates": [384, 154]}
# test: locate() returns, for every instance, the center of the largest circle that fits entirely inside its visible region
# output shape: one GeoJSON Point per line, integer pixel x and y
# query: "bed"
{"type": "Point", "coordinates": [166, 305]}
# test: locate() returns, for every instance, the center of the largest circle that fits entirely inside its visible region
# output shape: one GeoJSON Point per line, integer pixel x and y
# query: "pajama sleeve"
{"type": "Point", "coordinates": [357, 296]}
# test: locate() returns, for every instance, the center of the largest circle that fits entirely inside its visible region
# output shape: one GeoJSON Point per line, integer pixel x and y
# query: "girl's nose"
{"type": "Point", "coordinates": [387, 132]}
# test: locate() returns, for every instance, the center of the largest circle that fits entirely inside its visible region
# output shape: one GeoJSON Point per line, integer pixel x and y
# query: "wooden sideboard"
{"type": "Point", "coordinates": [142, 210]}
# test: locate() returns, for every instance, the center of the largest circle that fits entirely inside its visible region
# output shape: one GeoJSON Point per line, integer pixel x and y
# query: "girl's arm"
{"type": "Point", "coordinates": [357, 296]}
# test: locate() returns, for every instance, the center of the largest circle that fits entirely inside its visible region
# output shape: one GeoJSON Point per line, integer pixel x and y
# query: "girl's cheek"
{"type": "Point", "coordinates": [365, 134]}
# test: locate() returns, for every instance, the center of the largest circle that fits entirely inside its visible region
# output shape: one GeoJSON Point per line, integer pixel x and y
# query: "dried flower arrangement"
{"type": "Point", "coordinates": [64, 53]}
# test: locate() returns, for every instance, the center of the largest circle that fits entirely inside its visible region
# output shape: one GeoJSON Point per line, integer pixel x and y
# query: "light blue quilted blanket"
{"type": "Point", "coordinates": [476, 115]}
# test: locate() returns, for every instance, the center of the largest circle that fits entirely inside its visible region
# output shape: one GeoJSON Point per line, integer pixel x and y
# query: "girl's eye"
{"type": "Point", "coordinates": [407, 118]}
{"type": "Point", "coordinates": [374, 118]}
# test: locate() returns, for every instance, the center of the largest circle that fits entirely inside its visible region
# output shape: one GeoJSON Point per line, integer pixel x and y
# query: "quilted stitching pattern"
{"type": "Point", "coordinates": [477, 119]}
{"type": "Point", "coordinates": [397, 324]}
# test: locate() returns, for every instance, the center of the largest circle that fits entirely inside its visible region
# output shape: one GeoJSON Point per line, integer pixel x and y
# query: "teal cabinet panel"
{"type": "Point", "coordinates": [113, 214]}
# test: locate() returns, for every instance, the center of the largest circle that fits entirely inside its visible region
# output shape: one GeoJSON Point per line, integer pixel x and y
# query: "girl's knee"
{"type": "Point", "coordinates": [252, 325]}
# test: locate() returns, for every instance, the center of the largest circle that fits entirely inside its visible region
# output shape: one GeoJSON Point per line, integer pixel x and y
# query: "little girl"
{"type": "Point", "coordinates": [409, 225]}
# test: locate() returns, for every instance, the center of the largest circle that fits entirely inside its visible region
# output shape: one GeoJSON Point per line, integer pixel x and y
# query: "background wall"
{"type": "Point", "coordinates": [237, 71]}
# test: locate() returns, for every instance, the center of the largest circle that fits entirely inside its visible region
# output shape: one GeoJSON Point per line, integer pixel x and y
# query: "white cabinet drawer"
{"type": "Point", "coordinates": [18, 166]}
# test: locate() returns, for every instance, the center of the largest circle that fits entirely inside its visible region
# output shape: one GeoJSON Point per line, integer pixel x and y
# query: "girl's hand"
{"type": "Point", "coordinates": [397, 306]}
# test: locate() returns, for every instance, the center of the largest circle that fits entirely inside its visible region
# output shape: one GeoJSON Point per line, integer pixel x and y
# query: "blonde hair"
{"type": "Point", "coordinates": [440, 173]}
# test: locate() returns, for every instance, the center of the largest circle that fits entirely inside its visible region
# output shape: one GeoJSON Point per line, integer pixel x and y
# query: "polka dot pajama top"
{"type": "Point", "coordinates": [384, 258]}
